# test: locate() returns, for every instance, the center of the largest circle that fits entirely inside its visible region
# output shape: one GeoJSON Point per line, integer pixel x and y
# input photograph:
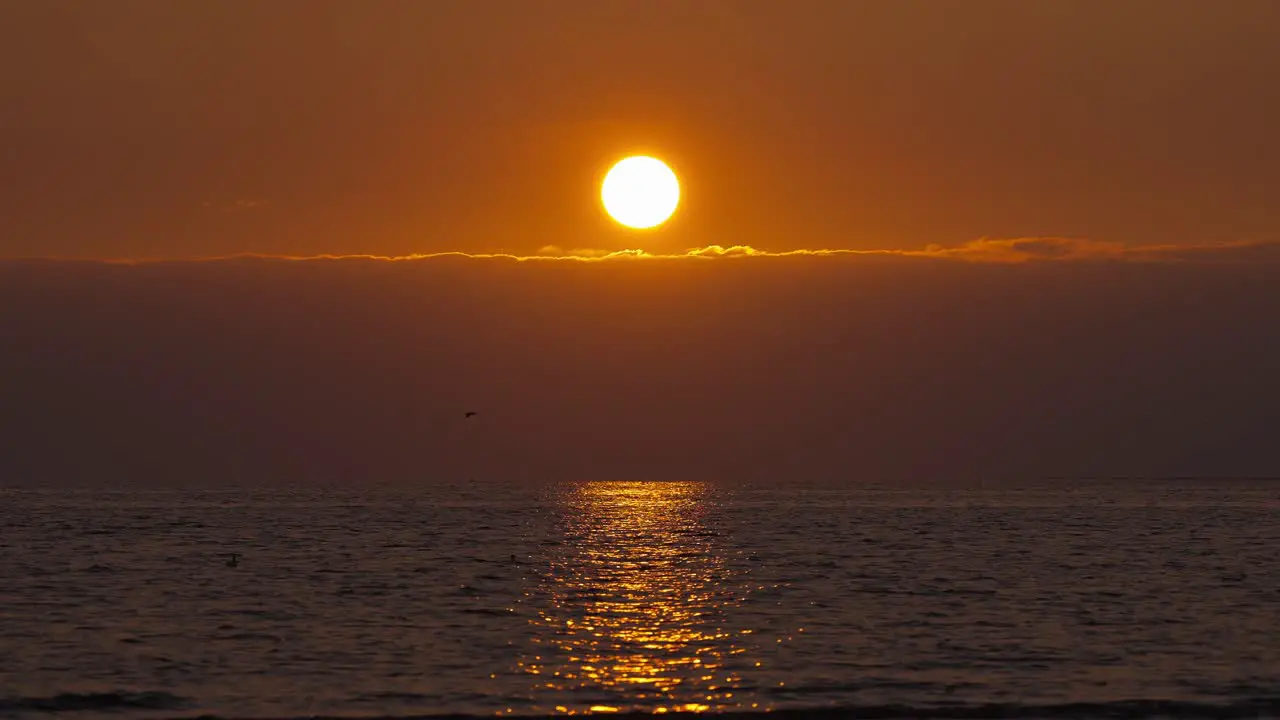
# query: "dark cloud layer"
{"type": "Point", "coordinates": [778, 369]}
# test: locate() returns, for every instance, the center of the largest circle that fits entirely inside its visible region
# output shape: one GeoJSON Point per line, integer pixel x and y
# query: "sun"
{"type": "Point", "coordinates": [640, 192]}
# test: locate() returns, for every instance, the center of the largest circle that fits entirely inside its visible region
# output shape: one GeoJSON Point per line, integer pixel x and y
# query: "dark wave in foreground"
{"type": "Point", "coordinates": [158, 701]}
{"type": "Point", "coordinates": [88, 702]}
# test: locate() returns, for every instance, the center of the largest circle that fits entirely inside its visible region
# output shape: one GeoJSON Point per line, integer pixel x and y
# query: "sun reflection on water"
{"type": "Point", "coordinates": [632, 612]}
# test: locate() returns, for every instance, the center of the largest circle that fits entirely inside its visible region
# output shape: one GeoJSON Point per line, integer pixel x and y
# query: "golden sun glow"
{"type": "Point", "coordinates": [640, 192]}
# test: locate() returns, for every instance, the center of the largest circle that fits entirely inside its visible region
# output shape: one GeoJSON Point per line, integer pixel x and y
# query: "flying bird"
{"type": "Point", "coordinates": [469, 414]}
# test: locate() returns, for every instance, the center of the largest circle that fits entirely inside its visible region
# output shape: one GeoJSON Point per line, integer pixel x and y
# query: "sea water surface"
{"type": "Point", "coordinates": [1151, 598]}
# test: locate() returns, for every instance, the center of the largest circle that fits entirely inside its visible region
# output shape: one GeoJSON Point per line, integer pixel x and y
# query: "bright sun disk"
{"type": "Point", "coordinates": [640, 192]}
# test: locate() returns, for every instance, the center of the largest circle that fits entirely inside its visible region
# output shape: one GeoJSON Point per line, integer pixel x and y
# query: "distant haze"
{"type": "Point", "coordinates": [847, 369]}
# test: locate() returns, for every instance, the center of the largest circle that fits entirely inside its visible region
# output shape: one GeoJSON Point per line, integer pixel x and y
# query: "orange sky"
{"type": "Point", "coordinates": [140, 128]}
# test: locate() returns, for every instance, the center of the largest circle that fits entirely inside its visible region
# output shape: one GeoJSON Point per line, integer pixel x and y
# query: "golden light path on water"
{"type": "Point", "coordinates": [632, 612]}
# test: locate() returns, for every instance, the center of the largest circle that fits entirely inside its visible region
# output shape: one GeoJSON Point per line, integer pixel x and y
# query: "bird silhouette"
{"type": "Point", "coordinates": [469, 414]}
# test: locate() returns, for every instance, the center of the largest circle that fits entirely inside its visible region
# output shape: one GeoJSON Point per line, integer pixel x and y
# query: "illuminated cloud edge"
{"type": "Point", "coordinates": [982, 250]}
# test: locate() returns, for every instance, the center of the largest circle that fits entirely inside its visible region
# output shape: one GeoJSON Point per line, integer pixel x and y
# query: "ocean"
{"type": "Point", "coordinates": [1049, 599]}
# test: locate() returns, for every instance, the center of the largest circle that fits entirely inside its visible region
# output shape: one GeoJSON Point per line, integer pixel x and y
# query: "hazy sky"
{"type": "Point", "coordinates": [851, 368]}
{"type": "Point", "coordinates": [159, 128]}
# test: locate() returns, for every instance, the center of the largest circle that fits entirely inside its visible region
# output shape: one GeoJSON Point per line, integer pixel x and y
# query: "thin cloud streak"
{"type": "Point", "coordinates": [982, 250]}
